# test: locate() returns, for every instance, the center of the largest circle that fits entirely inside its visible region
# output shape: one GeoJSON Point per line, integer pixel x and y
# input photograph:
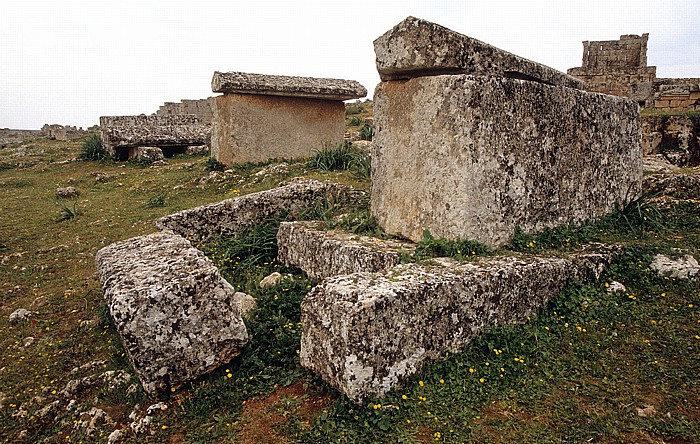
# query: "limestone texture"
{"type": "Point", "coordinates": [476, 157]}
{"type": "Point", "coordinates": [123, 132]}
{"type": "Point", "coordinates": [676, 138]}
{"type": "Point", "coordinates": [288, 86]}
{"type": "Point", "coordinates": [685, 267]}
{"type": "Point", "coordinates": [257, 128]}
{"type": "Point", "coordinates": [366, 333]}
{"type": "Point", "coordinates": [324, 253]}
{"type": "Point", "coordinates": [177, 317]}
{"type": "Point", "coordinates": [416, 48]}
{"type": "Point", "coordinates": [233, 215]}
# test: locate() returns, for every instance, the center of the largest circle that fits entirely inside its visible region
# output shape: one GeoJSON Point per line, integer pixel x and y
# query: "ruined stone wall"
{"type": "Point", "coordinates": [677, 138]}
{"type": "Point", "coordinates": [619, 67]}
{"type": "Point", "coordinates": [203, 109]}
{"type": "Point", "coordinates": [62, 132]}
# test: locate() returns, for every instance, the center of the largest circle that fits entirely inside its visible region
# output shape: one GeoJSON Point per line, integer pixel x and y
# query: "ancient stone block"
{"type": "Point", "coordinates": [417, 47]}
{"type": "Point", "coordinates": [177, 317]}
{"type": "Point", "coordinates": [257, 128]}
{"type": "Point", "coordinates": [366, 333]}
{"type": "Point", "coordinates": [323, 253]}
{"type": "Point", "coordinates": [119, 133]}
{"type": "Point", "coordinates": [287, 86]}
{"type": "Point", "coordinates": [233, 215]}
{"type": "Point", "coordinates": [476, 157]}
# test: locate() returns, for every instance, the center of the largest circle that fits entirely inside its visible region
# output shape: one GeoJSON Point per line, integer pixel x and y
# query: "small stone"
{"type": "Point", "coordinates": [28, 341]}
{"type": "Point", "coordinates": [67, 192]}
{"type": "Point", "coordinates": [648, 410]}
{"type": "Point", "coordinates": [686, 267]}
{"type": "Point", "coordinates": [246, 303]}
{"type": "Point", "coordinates": [616, 287]}
{"type": "Point", "coordinates": [271, 280]}
{"type": "Point", "coordinates": [20, 315]}
{"type": "Point", "coordinates": [155, 408]}
{"type": "Point", "coordinates": [115, 437]}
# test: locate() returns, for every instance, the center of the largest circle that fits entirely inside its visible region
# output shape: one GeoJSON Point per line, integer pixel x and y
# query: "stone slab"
{"type": "Point", "coordinates": [323, 253]}
{"type": "Point", "coordinates": [258, 128]}
{"type": "Point", "coordinates": [234, 215]}
{"type": "Point", "coordinates": [416, 48]}
{"type": "Point", "coordinates": [177, 317]}
{"type": "Point", "coordinates": [477, 157]}
{"type": "Point", "coordinates": [288, 86]}
{"type": "Point", "coordinates": [366, 333]}
{"type": "Point", "coordinates": [160, 131]}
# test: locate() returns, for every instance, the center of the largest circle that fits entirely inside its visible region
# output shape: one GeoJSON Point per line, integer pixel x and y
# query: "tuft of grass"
{"type": "Point", "coordinates": [157, 200]}
{"type": "Point", "coordinates": [67, 211]}
{"type": "Point", "coordinates": [92, 148]}
{"type": "Point", "coordinates": [355, 121]}
{"type": "Point", "coordinates": [214, 165]}
{"type": "Point", "coordinates": [334, 158]}
{"type": "Point", "coordinates": [365, 133]}
{"type": "Point", "coordinates": [463, 249]}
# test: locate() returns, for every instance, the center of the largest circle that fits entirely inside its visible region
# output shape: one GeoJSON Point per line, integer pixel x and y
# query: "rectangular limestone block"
{"type": "Point", "coordinates": [366, 333]}
{"type": "Point", "coordinates": [177, 317]}
{"type": "Point", "coordinates": [287, 86]}
{"type": "Point", "coordinates": [476, 158]}
{"type": "Point", "coordinates": [417, 47]}
{"type": "Point", "coordinates": [231, 216]}
{"type": "Point", "coordinates": [323, 253]}
{"type": "Point", "coordinates": [257, 128]}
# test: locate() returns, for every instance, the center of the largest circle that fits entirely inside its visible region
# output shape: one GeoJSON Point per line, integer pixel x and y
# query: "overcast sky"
{"type": "Point", "coordinates": [69, 62]}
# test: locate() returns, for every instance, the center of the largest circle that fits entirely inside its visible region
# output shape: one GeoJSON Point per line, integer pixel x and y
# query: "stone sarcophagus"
{"type": "Point", "coordinates": [262, 117]}
{"type": "Point", "coordinates": [474, 142]}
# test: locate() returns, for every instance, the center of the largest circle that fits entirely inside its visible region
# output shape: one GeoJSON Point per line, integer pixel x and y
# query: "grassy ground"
{"type": "Point", "coordinates": [594, 367]}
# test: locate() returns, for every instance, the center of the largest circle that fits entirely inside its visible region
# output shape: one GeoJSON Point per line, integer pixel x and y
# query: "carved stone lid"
{"type": "Point", "coordinates": [289, 86]}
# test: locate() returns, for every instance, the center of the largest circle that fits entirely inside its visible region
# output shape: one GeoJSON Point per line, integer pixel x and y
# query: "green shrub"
{"type": "Point", "coordinates": [157, 200]}
{"type": "Point", "coordinates": [366, 133]}
{"type": "Point", "coordinates": [354, 108]}
{"type": "Point", "coordinates": [92, 148]}
{"type": "Point", "coordinates": [214, 165]}
{"type": "Point", "coordinates": [355, 121]}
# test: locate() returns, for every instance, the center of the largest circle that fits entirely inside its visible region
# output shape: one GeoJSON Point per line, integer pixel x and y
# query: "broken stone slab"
{"type": "Point", "coordinates": [120, 133]}
{"type": "Point", "coordinates": [685, 267]}
{"type": "Point", "coordinates": [324, 253]}
{"type": "Point", "coordinates": [498, 154]}
{"type": "Point", "coordinates": [177, 317]}
{"type": "Point", "coordinates": [238, 214]}
{"type": "Point", "coordinates": [366, 333]}
{"type": "Point", "coordinates": [416, 48]}
{"type": "Point", "coordinates": [287, 86]}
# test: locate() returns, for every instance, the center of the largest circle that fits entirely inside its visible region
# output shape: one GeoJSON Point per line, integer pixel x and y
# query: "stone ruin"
{"type": "Point", "coordinates": [262, 117]}
{"type": "Point", "coordinates": [203, 109]}
{"type": "Point", "coordinates": [127, 137]}
{"type": "Point", "coordinates": [619, 67]}
{"type": "Point", "coordinates": [62, 132]}
{"type": "Point", "coordinates": [497, 143]}
{"type": "Point", "coordinates": [471, 141]}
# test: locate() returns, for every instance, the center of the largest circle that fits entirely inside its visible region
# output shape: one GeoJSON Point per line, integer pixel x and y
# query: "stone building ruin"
{"type": "Point", "coordinates": [619, 67]}
{"type": "Point", "coordinates": [203, 109]}
{"type": "Point", "coordinates": [262, 117]}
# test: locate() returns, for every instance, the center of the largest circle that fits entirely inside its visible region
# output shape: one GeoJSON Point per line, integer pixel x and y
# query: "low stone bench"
{"type": "Point", "coordinates": [122, 136]}
{"type": "Point", "coordinates": [366, 333]}
{"type": "Point", "coordinates": [323, 253]}
{"type": "Point", "coordinates": [234, 215]}
{"type": "Point", "coordinates": [177, 317]}
{"type": "Point", "coordinates": [262, 117]}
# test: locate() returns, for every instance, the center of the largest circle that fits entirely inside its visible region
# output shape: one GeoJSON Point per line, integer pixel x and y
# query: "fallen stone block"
{"type": "Point", "coordinates": [416, 48]}
{"type": "Point", "coordinates": [262, 117]}
{"type": "Point", "coordinates": [234, 215]}
{"type": "Point", "coordinates": [498, 154]}
{"type": "Point", "coordinates": [324, 253]}
{"type": "Point", "coordinates": [366, 333]}
{"type": "Point", "coordinates": [177, 317]}
{"type": "Point", "coordinates": [685, 267]}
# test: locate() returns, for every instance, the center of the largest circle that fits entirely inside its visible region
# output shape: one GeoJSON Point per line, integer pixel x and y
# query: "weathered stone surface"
{"type": "Point", "coordinates": [177, 317]}
{"type": "Point", "coordinates": [324, 253]}
{"type": "Point", "coordinates": [246, 303]}
{"type": "Point", "coordinates": [257, 128]}
{"type": "Point", "coordinates": [233, 215]}
{"type": "Point", "coordinates": [146, 152]}
{"type": "Point", "coordinates": [685, 267]}
{"type": "Point", "coordinates": [288, 86]}
{"type": "Point", "coordinates": [271, 281]}
{"type": "Point", "coordinates": [123, 132]}
{"type": "Point", "coordinates": [475, 157]}
{"type": "Point", "coordinates": [416, 48]}
{"type": "Point", "coordinates": [366, 333]}
{"type": "Point", "coordinates": [19, 315]}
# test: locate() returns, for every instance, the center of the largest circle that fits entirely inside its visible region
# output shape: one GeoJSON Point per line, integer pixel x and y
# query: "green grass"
{"type": "Point", "coordinates": [576, 373]}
